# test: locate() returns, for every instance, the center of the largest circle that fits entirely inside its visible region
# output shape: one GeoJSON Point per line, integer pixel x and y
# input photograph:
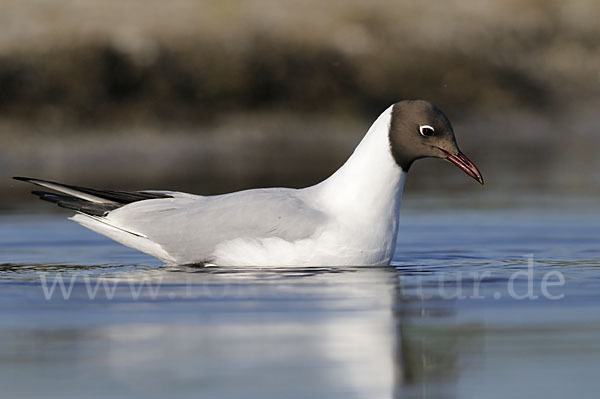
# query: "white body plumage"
{"type": "Point", "coordinates": [351, 218]}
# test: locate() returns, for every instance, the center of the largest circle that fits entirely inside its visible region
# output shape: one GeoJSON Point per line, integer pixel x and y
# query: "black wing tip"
{"type": "Point", "coordinates": [34, 180]}
{"type": "Point", "coordinates": [121, 197]}
{"type": "Point", "coordinates": [76, 204]}
{"type": "Point", "coordinates": [46, 195]}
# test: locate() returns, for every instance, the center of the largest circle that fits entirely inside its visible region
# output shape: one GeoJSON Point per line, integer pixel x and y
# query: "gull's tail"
{"type": "Point", "coordinates": [93, 207]}
{"type": "Point", "coordinates": [88, 200]}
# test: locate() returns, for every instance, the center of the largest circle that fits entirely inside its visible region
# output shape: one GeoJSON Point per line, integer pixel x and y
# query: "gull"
{"type": "Point", "coordinates": [350, 218]}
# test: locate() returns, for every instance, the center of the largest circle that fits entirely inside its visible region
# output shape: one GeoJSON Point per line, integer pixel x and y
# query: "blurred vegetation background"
{"type": "Point", "coordinates": [212, 96]}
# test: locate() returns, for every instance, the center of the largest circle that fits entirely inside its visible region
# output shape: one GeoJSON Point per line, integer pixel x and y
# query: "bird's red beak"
{"type": "Point", "coordinates": [465, 164]}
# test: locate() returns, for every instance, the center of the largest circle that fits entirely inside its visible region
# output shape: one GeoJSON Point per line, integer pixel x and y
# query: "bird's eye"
{"type": "Point", "coordinates": [426, 130]}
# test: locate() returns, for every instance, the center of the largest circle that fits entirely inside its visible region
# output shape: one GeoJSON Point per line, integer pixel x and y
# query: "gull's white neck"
{"type": "Point", "coordinates": [369, 185]}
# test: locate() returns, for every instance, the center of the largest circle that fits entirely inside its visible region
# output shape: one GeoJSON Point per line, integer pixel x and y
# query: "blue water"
{"type": "Point", "coordinates": [479, 303]}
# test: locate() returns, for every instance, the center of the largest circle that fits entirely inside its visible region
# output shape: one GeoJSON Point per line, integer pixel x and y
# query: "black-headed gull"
{"type": "Point", "coordinates": [351, 218]}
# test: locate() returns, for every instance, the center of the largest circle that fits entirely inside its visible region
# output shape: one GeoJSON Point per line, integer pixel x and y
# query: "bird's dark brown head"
{"type": "Point", "coordinates": [418, 129]}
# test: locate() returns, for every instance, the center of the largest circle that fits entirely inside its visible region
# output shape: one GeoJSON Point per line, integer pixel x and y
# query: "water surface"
{"type": "Point", "coordinates": [461, 314]}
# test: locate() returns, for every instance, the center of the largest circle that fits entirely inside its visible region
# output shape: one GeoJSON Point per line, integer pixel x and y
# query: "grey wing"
{"type": "Point", "coordinates": [196, 225]}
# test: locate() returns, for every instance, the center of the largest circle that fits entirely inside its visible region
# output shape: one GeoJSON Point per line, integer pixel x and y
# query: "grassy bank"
{"type": "Point", "coordinates": [93, 62]}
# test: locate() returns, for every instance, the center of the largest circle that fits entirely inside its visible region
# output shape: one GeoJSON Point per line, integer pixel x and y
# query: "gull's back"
{"type": "Point", "coordinates": [205, 229]}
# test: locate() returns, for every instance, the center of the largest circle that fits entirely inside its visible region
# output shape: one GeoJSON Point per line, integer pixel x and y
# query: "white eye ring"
{"type": "Point", "coordinates": [426, 130]}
